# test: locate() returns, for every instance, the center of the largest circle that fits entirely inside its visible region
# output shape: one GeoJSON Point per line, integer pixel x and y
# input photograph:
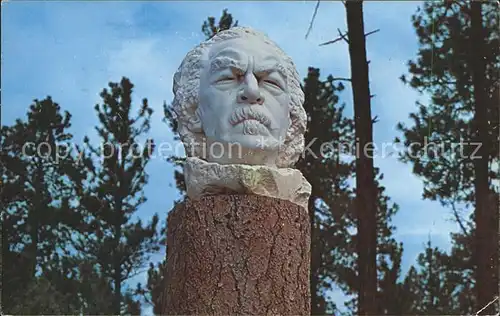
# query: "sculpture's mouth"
{"type": "Point", "coordinates": [254, 121]}
{"type": "Point", "coordinates": [246, 113]}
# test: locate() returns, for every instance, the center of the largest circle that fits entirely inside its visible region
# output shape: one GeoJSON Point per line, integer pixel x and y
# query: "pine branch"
{"type": "Point", "coordinates": [458, 219]}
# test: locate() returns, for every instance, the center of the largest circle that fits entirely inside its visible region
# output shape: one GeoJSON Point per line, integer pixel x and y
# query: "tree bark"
{"type": "Point", "coordinates": [366, 195]}
{"type": "Point", "coordinates": [486, 217]}
{"type": "Point", "coordinates": [237, 254]}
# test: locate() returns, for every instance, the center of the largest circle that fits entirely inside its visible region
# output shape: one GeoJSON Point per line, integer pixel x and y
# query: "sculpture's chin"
{"type": "Point", "coordinates": [246, 158]}
{"type": "Point", "coordinates": [255, 142]}
{"type": "Point", "coordinates": [243, 149]}
{"type": "Point", "coordinates": [251, 134]}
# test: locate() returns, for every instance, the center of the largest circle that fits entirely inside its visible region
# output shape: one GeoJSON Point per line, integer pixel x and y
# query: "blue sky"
{"type": "Point", "coordinates": [71, 50]}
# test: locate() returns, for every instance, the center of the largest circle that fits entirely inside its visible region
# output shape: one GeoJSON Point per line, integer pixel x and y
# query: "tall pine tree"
{"type": "Point", "coordinates": [458, 65]}
{"type": "Point", "coordinates": [39, 217]}
{"type": "Point", "coordinates": [371, 256]}
{"type": "Point", "coordinates": [115, 243]}
{"type": "Point", "coordinates": [331, 197]}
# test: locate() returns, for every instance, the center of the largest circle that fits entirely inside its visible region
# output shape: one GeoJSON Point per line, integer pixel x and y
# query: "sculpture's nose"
{"type": "Point", "coordinates": [250, 92]}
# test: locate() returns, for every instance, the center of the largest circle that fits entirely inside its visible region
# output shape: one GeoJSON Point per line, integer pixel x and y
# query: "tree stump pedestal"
{"type": "Point", "coordinates": [237, 254]}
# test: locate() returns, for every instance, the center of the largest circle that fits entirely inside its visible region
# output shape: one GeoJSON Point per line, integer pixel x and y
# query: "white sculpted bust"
{"type": "Point", "coordinates": [238, 102]}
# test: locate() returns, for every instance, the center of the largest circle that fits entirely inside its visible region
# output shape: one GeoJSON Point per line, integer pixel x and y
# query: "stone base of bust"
{"type": "Point", "coordinates": [206, 178]}
{"type": "Point", "coordinates": [237, 254]}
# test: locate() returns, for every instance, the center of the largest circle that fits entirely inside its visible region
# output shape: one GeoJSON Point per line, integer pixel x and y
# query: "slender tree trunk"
{"type": "Point", "coordinates": [366, 205]}
{"type": "Point", "coordinates": [33, 246]}
{"type": "Point", "coordinates": [486, 218]}
{"type": "Point", "coordinates": [117, 257]}
{"type": "Point", "coordinates": [34, 221]}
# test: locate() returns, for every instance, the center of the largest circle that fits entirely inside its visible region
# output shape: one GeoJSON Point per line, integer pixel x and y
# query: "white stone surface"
{"type": "Point", "coordinates": [207, 107]}
{"type": "Point", "coordinates": [244, 100]}
{"type": "Point", "coordinates": [209, 178]}
{"type": "Point", "coordinates": [238, 103]}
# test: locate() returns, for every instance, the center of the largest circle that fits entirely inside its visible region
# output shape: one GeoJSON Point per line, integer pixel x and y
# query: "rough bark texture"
{"type": "Point", "coordinates": [237, 254]}
{"type": "Point", "coordinates": [366, 194]}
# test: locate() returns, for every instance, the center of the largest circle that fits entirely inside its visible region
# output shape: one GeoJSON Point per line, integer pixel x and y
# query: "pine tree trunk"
{"type": "Point", "coordinates": [486, 218]}
{"type": "Point", "coordinates": [237, 254]}
{"type": "Point", "coordinates": [366, 205]}
{"type": "Point", "coordinates": [118, 257]}
{"type": "Point", "coordinates": [34, 221]}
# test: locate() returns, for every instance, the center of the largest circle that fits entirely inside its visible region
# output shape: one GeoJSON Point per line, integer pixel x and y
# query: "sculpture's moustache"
{"type": "Point", "coordinates": [245, 113]}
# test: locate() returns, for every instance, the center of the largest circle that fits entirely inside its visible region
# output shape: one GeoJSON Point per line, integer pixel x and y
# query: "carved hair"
{"type": "Point", "coordinates": [186, 98]}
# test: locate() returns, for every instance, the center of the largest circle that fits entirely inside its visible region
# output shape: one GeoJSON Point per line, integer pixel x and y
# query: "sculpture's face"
{"type": "Point", "coordinates": [244, 100]}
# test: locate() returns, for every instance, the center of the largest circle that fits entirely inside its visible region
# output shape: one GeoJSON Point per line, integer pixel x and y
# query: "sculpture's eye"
{"type": "Point", "coordinates": [226, 79]}
{"type": "Point", "coordinates": [272, 83]}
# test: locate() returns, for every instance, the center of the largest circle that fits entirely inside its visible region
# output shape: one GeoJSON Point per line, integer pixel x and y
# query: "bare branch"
{"type": "Point", "coordinates": [341, 36]}
{"type": "Point", "coordinates": [313, 17]}
{"type": "Point", "coordinates": [458, 219]}
{"type": "Point", "coordinates": [372, 32]}
{"type": "Point", "coordinates": [331, 42]}
{"type": "Point", "coordinates": [340, 79]}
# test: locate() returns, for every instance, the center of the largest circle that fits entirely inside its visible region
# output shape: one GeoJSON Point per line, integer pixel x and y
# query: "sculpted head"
{"type": "Point", "coordinates": [237, 98]}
